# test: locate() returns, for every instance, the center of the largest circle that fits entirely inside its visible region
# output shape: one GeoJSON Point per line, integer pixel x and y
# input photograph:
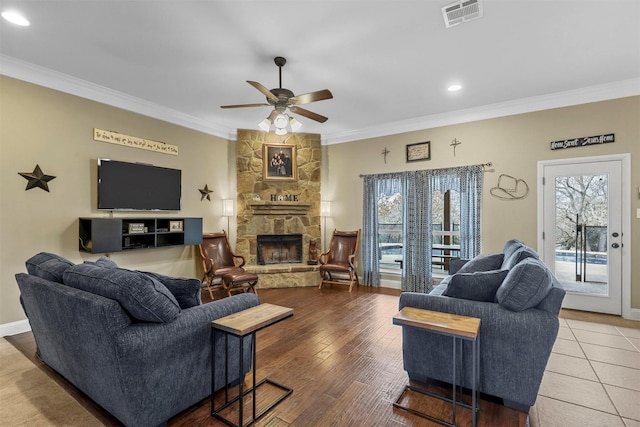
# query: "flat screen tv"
{"type": "Point", "coordinates": [138, 186]}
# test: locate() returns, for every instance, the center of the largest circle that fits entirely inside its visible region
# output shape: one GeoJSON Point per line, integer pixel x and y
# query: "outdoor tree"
{"type": "Point", "coordinates": [581, 200]}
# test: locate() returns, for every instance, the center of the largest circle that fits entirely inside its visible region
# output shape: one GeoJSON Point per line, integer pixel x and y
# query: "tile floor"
{"type": "Point", "coordinates": [592, 378]}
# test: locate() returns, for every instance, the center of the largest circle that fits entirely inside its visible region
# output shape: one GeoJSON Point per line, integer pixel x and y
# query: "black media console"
{"type": "Point", "coordinates": [101, 235]}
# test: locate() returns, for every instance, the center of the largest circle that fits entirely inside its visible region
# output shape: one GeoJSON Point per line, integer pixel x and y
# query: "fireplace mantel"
{"type": "Point", "coordinates": [279, 208]}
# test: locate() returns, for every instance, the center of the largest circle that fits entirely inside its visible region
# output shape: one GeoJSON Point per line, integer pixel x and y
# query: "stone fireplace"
{"type": "Point", "coordinates": [279, 248]}
{"type": "Point", "coordinates": [278, 207]}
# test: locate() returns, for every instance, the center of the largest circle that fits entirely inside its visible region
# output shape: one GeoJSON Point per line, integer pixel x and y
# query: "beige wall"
{"type": "Point", "coordinates": [513, 144]}
{"type": "Point", "coordinates": [55, 130]}
{"type": "Point", "coordinates": [52, 129]}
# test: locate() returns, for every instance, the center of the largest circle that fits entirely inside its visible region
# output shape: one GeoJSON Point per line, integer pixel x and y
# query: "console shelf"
{"type": "Point", "coordinates": [102, 235]}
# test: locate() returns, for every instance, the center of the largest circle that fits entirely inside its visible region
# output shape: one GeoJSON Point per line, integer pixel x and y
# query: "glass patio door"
{"type": "Point", "coordinates": [582, 224]}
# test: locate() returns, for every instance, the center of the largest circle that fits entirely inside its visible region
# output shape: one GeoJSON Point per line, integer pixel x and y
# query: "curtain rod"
{"type": "Point", "coordinates": [487, 165]}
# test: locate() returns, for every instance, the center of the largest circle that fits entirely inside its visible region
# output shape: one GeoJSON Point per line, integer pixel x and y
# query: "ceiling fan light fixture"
{"type": "Point", "coordinates": [281, 131]}
{"type": "Point", "coordinates": [280, 122]}
{"type": "Point", "coordinates": [295, 125]}
{"type": "Point", "coordinates": [265, 125]}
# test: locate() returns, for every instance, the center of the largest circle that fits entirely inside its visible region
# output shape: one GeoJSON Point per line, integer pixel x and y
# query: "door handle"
{"type": "Point", "coordinates": [615, 234]}
{"type": "Point", "coordinates": [615, 246]}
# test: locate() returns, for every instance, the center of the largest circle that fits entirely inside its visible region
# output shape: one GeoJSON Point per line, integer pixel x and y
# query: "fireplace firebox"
{"type": "Point", "coordinates": [279, 248]}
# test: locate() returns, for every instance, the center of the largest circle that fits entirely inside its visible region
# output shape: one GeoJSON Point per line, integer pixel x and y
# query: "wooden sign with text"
{"type": "Point", "coordinates": [133, 141]}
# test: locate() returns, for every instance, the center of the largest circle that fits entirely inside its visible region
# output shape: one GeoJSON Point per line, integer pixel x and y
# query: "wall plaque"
{"type": "Point", "coordinates": [419, 151]}
{"type": "Point", "coordinates": [583, 141]}
{"type": "Point", "coordinates": [134, 141]}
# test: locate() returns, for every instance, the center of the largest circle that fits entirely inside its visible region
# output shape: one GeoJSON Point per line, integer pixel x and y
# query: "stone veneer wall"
{"type": "Point", "coordinates": [278, 217]}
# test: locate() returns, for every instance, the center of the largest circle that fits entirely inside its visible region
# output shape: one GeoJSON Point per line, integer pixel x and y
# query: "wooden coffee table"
{"type": "Point", "coordinates": [241, 324]}
{"type": "Point", "coordinates": [458, 328]}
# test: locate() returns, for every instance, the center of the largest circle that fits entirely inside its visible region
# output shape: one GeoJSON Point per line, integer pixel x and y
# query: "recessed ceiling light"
{"type": "Point", "coordinates": [454, 88]}
{"type": "Point", "coordinates": [15, 18]}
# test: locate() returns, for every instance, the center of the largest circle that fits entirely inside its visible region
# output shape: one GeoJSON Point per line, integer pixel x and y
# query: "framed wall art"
{"type": "Point", "coordinates": [176, 226]}
{"type": "Point", "coordinates": [279, 162]}
{"type": "Point", "coordinates": [419, 151]}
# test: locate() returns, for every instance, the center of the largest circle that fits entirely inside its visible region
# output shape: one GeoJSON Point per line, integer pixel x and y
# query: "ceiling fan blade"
{"type": "Point", "coordinates": [308, 114]}
{"type": "Point", "coordinates": [306, 98]}
{"type": "Point", "coordinates": [266, 92]}
{"type": "Point", "coordinates": [244, 105]}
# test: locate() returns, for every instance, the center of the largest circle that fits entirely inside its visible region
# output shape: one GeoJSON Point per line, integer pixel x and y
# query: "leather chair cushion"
{"type": "Point", "coordinates": [335, 267]}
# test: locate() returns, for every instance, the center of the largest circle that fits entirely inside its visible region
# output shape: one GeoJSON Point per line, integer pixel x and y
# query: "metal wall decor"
{"type": "Point", "coordinates": [205, 193]}
{"type": "Point", "coordinates": [384, 153]}
{"type": "Point", "coordinates": [37, 179]}
{"type": "Point", "coordinates": [454, 144]}
{"type": "Point", "coordinates": [510, 188]}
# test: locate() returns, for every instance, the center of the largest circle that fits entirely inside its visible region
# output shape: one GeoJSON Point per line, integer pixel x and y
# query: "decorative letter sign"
{"type": "Point", "coordinates": [581, 142]}
{"type": "Point", "coordinates": [133, 141]}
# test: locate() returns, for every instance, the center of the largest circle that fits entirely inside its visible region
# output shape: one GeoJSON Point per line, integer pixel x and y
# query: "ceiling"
{"type": "Point", "coordinates": [387, 63]}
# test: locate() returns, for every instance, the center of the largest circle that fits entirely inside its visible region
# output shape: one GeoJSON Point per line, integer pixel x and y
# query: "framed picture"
{"type": "Point", "coordinates": [175, 226]}
{"type": "Point", "coordinates": [136, 227]}
{"type": "Point", "coordinates": [279, 162]}
{"type": "Point", "coordinates": [419, 151]}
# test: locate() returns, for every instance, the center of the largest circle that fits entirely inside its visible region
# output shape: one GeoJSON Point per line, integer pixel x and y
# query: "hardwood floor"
{"type": "Point", "coordinates": [341, 355]}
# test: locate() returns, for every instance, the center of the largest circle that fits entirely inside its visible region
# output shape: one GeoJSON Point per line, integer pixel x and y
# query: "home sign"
{"type": "Point", "coordinates": [581, 142]}
{"type": "Point", "coordinates": [284, 197]}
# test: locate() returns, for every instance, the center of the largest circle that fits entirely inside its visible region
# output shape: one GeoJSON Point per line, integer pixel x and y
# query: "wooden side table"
{"type": "Point", "coordinates": [241, 324]}
{"type": "Point", "coordinates": [459, 328]}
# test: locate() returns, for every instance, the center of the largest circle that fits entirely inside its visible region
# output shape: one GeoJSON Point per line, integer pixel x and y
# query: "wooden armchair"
{"type": "Point", "coordinates": [218, 259]}
{"type": "Point", "coordinates": [337, 264]}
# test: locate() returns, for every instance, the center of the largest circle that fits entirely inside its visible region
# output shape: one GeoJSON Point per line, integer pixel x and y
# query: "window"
{"type": "Point", "coordinates": [390, 238]}
{"type": "Point", "coordinates": [446, 229]}
{"type": "Point", "coordinates": [404, 200]}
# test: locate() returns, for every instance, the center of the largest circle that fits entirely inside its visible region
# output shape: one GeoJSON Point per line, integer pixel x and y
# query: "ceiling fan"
{"type": "Point", "coordinates": [282, 99]}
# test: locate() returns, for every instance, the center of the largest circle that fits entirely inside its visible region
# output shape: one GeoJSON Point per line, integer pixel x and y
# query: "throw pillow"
{"type": "Point", "coordinates": [103, 261]}
{"type": "Point", "coordinates": [525, 286]}
{"type": "Point", "coordinates": [143, 297]}
{"type": "Point", "coordinates": [483, 262]}
{"type": "Point", "coordinates": [477, 286]}
{"type": "Point", "coordinates": [522, 253]}
{"type": "Point", "coordinates": [186, 291]}
{"type": "Point", "coordinates": [511, 246]}
{"type": "Point", "coordinates": [48, 266]}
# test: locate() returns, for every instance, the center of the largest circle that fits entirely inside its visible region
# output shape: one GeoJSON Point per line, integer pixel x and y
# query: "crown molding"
{"type": "Point", "coordinates": [31, 73]}
{"type": "Point", "coordinates": [620, 89]}
{"type": "Point", "coordinates": [41, 76]}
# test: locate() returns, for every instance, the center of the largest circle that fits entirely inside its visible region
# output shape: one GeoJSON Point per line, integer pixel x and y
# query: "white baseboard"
{"type": "Point", "coordinates": [14, 328]}
{"type": "Point", "coordinates": [633, 314]}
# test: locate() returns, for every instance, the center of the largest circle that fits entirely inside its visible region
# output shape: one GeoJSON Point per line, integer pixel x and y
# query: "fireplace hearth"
{"type": "Point", "coordinates": [279, 248]}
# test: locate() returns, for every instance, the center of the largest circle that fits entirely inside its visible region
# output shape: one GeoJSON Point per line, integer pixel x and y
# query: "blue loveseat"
{"type": "Point", "coordinates": [518, 300]}
{"type": "Point", "coordinates": [138, 344]}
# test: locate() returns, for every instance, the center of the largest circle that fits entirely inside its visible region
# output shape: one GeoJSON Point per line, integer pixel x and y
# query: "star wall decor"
{"type": "Point", "coordinates": [205, 193]}
{"type": "Point", "coordinates": [37, 179]}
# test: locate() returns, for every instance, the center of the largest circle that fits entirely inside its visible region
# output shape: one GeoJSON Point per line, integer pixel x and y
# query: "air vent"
{"type": "Point", "coordinates": [461, 11]}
